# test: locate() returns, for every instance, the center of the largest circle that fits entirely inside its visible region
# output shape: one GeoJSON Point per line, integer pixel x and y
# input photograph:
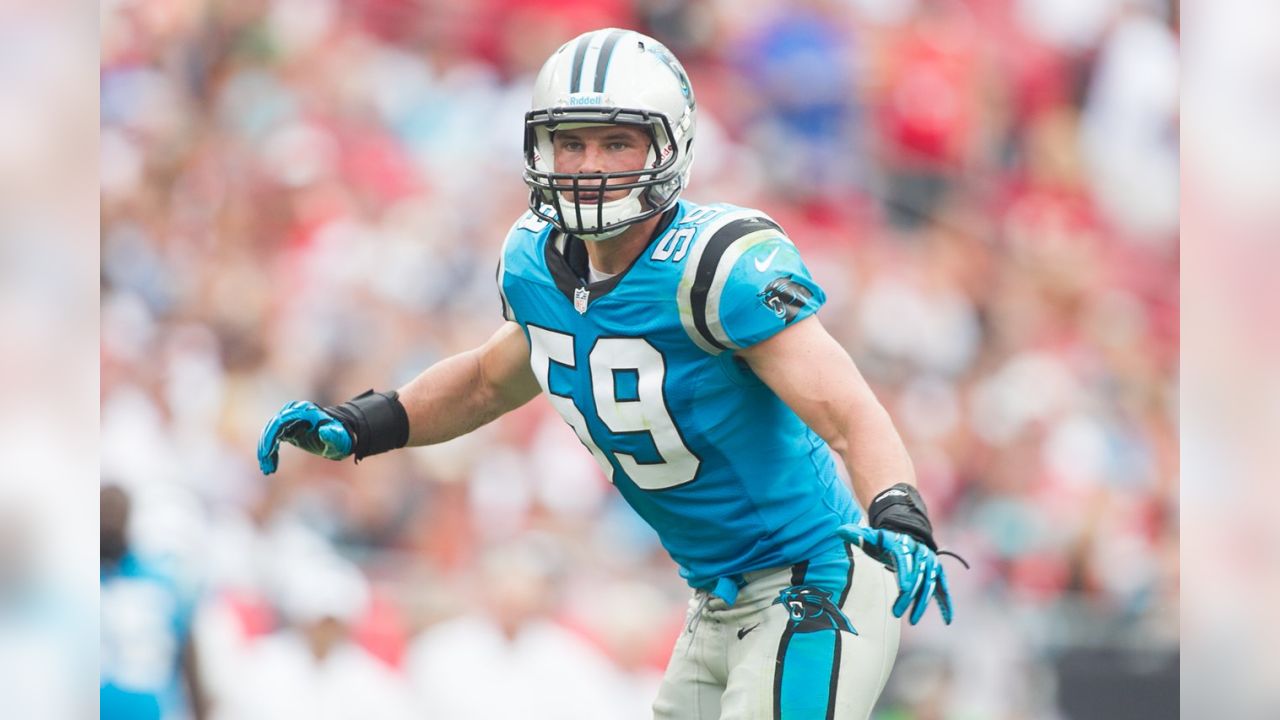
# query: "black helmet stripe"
{"type": "Point", "coordinates": [606, 40]}
{"type": "Point", "coordinates": [606, 52]}
{"type": "Point", "coordinates": [579, 54]}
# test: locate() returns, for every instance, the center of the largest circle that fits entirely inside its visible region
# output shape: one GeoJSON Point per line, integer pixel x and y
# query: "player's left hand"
{"type": "Point", "coordinates": [920, 575]}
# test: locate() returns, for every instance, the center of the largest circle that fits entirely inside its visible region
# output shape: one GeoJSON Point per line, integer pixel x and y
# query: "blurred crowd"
{"type": "Point", "coordinates": [306, 198]}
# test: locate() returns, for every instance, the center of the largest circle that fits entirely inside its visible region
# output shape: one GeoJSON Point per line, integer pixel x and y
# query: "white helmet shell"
{"type": "Point", "coordinates": [610, 76]}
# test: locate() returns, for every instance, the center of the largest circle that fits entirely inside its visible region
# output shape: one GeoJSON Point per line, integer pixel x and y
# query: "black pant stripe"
{"type": "Point", "coordinates": [777, 672]}
{"type": "Point", "coordinates": [835, 678]}
{"type": "Point", "coordinates": [848, 583]}
{"type": "Point", "coordinates": [798, 572]}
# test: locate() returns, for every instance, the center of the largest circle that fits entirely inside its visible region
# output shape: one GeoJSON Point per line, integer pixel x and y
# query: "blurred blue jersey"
{"type": "Point", "coordinates": [145, 625]}
{"type": "Point", "coordinates": [642, 366]}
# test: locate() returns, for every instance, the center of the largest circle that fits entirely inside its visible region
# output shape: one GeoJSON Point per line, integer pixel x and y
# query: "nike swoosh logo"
{"type": "Point", "coordinates": [742, 632]}
{"type": "Point", "coordinates": [762, 266]}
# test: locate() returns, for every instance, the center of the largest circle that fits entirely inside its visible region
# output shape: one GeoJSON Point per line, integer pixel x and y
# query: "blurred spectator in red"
{"type": "Point", "coordinates": [926, 110]}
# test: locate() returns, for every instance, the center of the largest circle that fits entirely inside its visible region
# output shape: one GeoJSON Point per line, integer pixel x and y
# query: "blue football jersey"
{"type": "Point", "coordinates": [642, 366]}
{"type": "Point", "coordinates": [145, 622]}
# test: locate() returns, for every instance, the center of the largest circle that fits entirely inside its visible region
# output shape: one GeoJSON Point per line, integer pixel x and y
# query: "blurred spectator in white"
{"type": "Point", "coordinates": [149, 667]}
{"type": "Point", "coordinates": [48, 296]}
{"type": "Point", "coordinates": [42, 637]}
{"type": "Point", "coordinates": [504, 656]}
{"type": "Point", "coordinates": [917, 320]}
{"type": "Point", "coordinates": [1130, 131]}
{"type": "Point", "coordinates": [312, 668]}
{"type": "Point", "coordinates": [1071, 25]}
{"type": "Point", "coordinates": [634, 622]}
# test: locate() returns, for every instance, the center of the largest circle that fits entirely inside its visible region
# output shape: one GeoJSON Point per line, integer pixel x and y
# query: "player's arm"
{"type": "Point", "coordinates": [463, 392]}
{"type": "Point", "coordinates": [818, 380]}
{"type": "Point", "coordinates": [448, 399]}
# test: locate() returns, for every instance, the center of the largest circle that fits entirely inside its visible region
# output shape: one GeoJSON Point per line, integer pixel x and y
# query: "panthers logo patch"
{"type": "Point", "coordinates": [676, 69]}
{"type": "Point", "coordinates": [785, 297]}
{"type": "Point", "coordinates": [812, 609]}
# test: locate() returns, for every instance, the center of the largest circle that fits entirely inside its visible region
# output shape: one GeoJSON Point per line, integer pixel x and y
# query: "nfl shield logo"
{"type": "Point", "coordinates": [580, 296]}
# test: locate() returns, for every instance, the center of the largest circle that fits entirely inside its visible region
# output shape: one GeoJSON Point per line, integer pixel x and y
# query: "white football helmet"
{"type": "Point", "coordinates": [609, 76]}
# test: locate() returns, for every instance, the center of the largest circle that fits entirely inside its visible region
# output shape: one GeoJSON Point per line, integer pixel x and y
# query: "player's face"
{"type": "Point", "coordinates": [602, 149]}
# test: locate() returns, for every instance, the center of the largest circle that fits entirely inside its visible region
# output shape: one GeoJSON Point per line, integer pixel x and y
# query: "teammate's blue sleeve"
{"type": "Point", "coordinates": [766, 289]}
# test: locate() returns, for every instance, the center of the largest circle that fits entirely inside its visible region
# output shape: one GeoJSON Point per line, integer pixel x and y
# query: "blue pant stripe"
{"type": "Point", "coordinates": [808, 664]}
{"type": "Point", "coordinates": [807, 676]}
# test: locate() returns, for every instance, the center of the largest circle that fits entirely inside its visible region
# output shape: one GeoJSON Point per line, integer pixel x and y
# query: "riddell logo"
{"type": "Point", "coordinates": [586, 100]}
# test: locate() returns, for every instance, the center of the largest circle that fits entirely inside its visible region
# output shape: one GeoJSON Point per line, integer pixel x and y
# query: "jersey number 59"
{"type": "Point", "coordinates": [647, 413]}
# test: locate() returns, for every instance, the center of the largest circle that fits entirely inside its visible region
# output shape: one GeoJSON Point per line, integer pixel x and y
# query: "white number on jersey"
{"type": "Point", "coordinates": [675, 241]}
{"type": "Point", "coordinates": [648, 413]}
{"type": "Point", "coordinates": [531, 222]}
{"type": "Point", "coordinates": [139, 649]}
{"type": "Point", "coordinates": [700, 215]}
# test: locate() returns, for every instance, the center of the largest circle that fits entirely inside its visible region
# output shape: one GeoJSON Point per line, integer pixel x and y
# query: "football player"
{"type": "Point", "coordinates": [679, 342]}
{"type": "Point", "coordinates": [149, 665]}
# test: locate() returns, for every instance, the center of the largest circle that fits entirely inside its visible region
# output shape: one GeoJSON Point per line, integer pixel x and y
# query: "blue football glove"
{"type": "Point", "coordinates": [307, 426]}
{"type": "Point", "coordinates": [920, 575]}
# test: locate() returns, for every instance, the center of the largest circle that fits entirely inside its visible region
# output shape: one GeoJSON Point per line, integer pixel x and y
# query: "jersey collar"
{"type": "Point", "coordinates": [566, 257]}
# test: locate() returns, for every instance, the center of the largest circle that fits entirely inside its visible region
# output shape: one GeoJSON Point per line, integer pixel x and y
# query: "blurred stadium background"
{"type": "Point", "coordinates": [305, 198]}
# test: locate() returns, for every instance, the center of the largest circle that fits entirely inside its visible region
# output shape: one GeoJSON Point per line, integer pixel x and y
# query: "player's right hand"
{"type": "Point", "coordinates": [305, 425]}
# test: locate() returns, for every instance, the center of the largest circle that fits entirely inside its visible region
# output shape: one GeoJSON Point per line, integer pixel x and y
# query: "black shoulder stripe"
{"type": "Point", "coordinates": [579, 54]}
{"type": "Point", "coordinates": [606, 52]}
{"type": "Point", "coordinates": [710, 260]}
{"type": "Point", "coordinates": [502, 295]}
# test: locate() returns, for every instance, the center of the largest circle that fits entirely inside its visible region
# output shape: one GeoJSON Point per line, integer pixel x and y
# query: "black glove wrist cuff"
{"type": "Point", "coordinates": [902, 509]}
{"type": "Point", "coordinates": [377, 422]}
